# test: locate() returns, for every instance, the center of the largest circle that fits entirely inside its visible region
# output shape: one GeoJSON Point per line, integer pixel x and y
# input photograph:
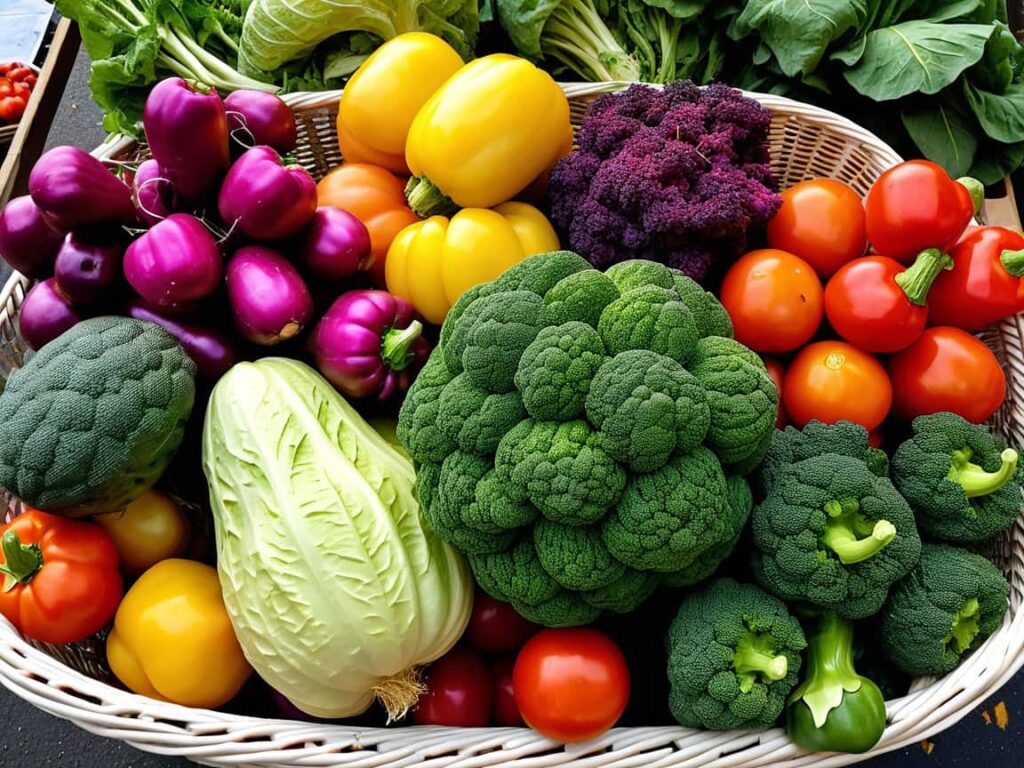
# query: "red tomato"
{"type": "Point", "coordinates": [571, 684]}
{"type": "Point", "coordinates": [777, 372]}
{"type": "Point", "coordinates": [822, 222]}
{"type": "Point", "coordinates": [505, 710]}
{"type": "Point", "coordinates": [832, 380]}
{"type": "Point", "coordinates": [947, 370]}
{"type": "Point", "coordinates": [460, 691]}
{"type": "Point", "coordinates": [774, 299]}
{"type": "Point", "coordinates": [876, 438]}
{"type": "Point", "coordinates": [495, 627]}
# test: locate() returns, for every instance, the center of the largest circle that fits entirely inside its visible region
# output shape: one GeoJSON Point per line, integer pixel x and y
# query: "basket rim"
{"type": "Point", "coordinates": [221, 738]}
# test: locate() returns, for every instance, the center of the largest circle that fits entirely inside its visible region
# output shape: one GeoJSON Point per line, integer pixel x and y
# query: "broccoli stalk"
{"type": "Point", "coordinates": [966, 625]}
{"type": "Point", "coordinates": [835, 709]}
{"type": "Point", "coordinates": [576, 35]}
{"type": "Point", "coordinates": [755, 660]}
{"type": "Point", "coordinates": [851, 536]}
{"type": "Point", "coordinates": [974, 479]}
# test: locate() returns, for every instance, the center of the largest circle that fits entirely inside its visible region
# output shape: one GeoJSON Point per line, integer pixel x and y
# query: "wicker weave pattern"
{"type": "Point", "coordinates": [805, 142]}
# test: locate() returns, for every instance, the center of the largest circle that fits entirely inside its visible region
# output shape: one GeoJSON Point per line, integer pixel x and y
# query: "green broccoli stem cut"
{"type": "Point", "coordinates": [576, 35]}
{"type": "Point", "coordinates": [21, 561]}
{"type": "Point", "coordinates": [830, 671]}
{"type": "Point", "coordinates": [1013, 262]}
{"type": "Point", "coordinates": [851, 536]}
{"type": "Point", "coordinates": [976, 190]}
{"type": "Point", "coordinates": [917, 279]}
{"type": "Point", "coordinates": [755, 657]}
{"type": "Point", "coordinates": [974, 479]}
{"type": "Point", "coordinates": [426, 198]}
{"type": "Point", "coordinates": [394, 348]}
{"type": "Point", "coordinates": [964, 628]}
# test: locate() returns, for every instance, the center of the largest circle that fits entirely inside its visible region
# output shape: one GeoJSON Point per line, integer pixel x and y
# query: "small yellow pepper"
{"type": "Point", "coordinates": [432, 263]}
{"type": "Point", "coordinates": [172, 639]}
{"type": "Point", "coordinates": [487, 133]}
{"type": "Point", "coordinates": [383, 96]}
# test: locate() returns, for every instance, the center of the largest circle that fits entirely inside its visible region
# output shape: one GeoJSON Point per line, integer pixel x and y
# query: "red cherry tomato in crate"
{"type": "Point", "coordinates": [495, 627]}
{"type": "Point", "coordinates": [777, 372]}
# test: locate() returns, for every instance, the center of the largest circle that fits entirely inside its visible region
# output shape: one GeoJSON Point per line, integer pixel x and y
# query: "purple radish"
{"type": "Point", "coordinates": [88, 266]}
{"type": "Point", "coordinates": [336, 244]}
{"type": "Point", "coordinates": [265, 199]}
{"type": "Point", "coordinates": [257, 117]}
{"type": "Point", "coordinates": [153, 193]}
{"type": "Point", "coordinates": [45, 314]}
{"type": "Point", "coordinates": [210, 349]}
{"type": "Point", "coordinates": [27, 240]}
{"type": "Point", "coordinates": [73, 189]}
{"type": "Point", "coordinates": [176, 261]}
{"type": "Point", "coordinates": [269, 300]}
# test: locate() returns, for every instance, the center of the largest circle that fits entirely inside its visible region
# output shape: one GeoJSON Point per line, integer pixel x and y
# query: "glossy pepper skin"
{"type": "Point", "coordinates": [984, 285]}
{"type": "Point", "coordinates": [382, 97]}
{"type": "Point", "coordinates": [265, 198]}
{"type": "Point", "coordinates": [485, 135]}
{"type": "Point", "coordinates": [432, 263]}
{"type": "Point", "coordinates": [63, 577]}
{"type": "Point", "coordinates": [73, 189]}
{"type": "Point", "coordinates": [172, 638]}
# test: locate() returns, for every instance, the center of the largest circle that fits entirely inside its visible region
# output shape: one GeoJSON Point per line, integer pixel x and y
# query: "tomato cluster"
{"type": "Point", "coordinates": [16, 83]}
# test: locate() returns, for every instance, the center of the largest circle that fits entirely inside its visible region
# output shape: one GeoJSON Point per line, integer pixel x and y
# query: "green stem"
{"type": "Point", "coordinates": [1013, 262]}
{"type": "Point", "coordinates": [965, 627]}
{"type": "Point", "coordinates": [21, 561]}
{"type": "Point", "coordinates": [754, 658]}
{"type": "Point", "coordinates": [916, 280]}
{"type": "Point", "coordinates": [395, 345]}
{"type": "Point", "coordinates": [830, 671]}
{"type": "Point", "coordinates": [977, 190]}
{"type": "Point", "coordinates": [852, 536]}
{"type": "Point", "coordinates": [974, 479]}
{"type": "Point", "coordinates": [426, 199]}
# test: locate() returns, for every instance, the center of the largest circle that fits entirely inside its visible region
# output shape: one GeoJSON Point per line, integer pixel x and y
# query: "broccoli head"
{"type": "Point", "coordinates": [576, 557]}
{"type": "Point", "coordinates": [581, 297]}
{"type": "Point", "coordinates": [649, 318]}
{"type": "Point", "coordinates": [832, 533]}
{"type": "Point", "coordinates": [502, 330]}
{"type": "Point", "coordinates": [475, 420]}
{"type": "Point", "coordinates": [708, 312]}
{"type": "Point", "coordinates": [539, 276]}
{"type": "Point", "coordinates": [943, 610]}
{"type": "Point", "coordinates": [555, 371]}
{"type": "Point", "coordinates": [565, 609]}
{"type": "Point", "coordinates": [456, 492]}
{"type": "Point", "coordinates": [514, 575]}
{"type": "Point", "coordinates": [733, 657]}
{"type": "Point", "coordinates": [418, 426]}
{"type": "Point", "coordinates": [625, 594]}
{"type": "Point", "coordinates": [647, 407]}
{"type": "Point", "coordinates": [640, 273]}
{"type": "Point", "coordinates": [964, 485]}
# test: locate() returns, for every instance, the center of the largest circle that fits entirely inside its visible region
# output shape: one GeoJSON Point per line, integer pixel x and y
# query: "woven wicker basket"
{"type": "Point", "coordinates": [67, 682]}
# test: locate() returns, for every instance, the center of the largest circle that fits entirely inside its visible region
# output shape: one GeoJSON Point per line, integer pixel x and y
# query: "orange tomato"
{"type": "Point", "coordinates": [376, 197]}
{"type": "Point", "coordinates": [822, 221]}
{"type": "Point", "coordinates": [775, 300]}
{"type": "Point", "coordinates": [833, 380]}
{"type": "Point", "coordinates": [777, 371]}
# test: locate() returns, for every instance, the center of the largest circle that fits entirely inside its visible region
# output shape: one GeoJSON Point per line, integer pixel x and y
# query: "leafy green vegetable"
{"type": "Point", "coordinates": [943, 133]}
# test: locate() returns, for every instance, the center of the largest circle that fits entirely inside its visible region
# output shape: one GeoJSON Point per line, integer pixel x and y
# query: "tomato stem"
{"type": "Point", "coordinates": [916, 280]}
{"type": "Point", "coordinates": [1013, 262]}
{"type": "Point", "coordinates": [976, 190]}
{"type": "Point", "coordinates": [21, 561]}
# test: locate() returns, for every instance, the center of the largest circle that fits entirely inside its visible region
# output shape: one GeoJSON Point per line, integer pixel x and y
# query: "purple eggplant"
{"type": "Point", "coordinates": [212, 351]}
{"type": "Point", "coordinates": [369, 344]}
{"type": "Point", "coordinates": [154, 196]}
{"type": "Point", "coordinates": [45, 314]}
{"type": "Point", "coordinates": [265, 199]}
{"type": "Point", "coordinates": [258, 117]}
{"type": "Point", "coordinates": [269, 300]}
{"type": "Point", "coordinates": [73, 189]}
{"type": "Point", "coordinates": [28, 242]}
{"type": "Point", "coordinates": [174, 262]}
{"type": "Point", "coordinates": [88, 266]}
{"type": "Point", "coordinates": [187, 132]}
{"type": "Point", "coordinates": [336, 244]}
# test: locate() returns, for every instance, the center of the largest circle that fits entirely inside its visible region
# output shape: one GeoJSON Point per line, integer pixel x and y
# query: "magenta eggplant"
{"type": "Point", "coordinates": [210, 349]}
{"type": "Point", "coordinates": [265, 199]}
{"type": "Point", "coordinates": [174, 262]}
{"type": "Point", "coordinates": [27, 240]}
{"type": "Point", "coordinates": [186, 128]}
{"type": "Point", "coordinates": [258, 117]}
{"type": "Point", "coordinates": [336, 244]}
{"type": "Point", "coordinates": [369, 344]}
{"type": "Point", "coordinates": [154, 195]}
{"type": "Point", "coordinates": [72, 189]}
{"type": "Point", "coordinates": [45, 314]}
{"type": "Point", "coordinates": [269, 300]}
{"type": "Point", "coordinates": [88, 266]}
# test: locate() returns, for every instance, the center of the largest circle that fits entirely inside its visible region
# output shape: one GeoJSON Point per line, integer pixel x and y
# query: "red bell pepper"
{"type": "Point", "coordinates": [985, 283]}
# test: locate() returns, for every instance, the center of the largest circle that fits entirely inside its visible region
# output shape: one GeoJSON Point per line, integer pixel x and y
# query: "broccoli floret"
{"type": "Point", "coordinates": [458, 325]}
{"type": "Point", "coordinates": [581, 297]}
{"type": "Point", "coordinates": [427, 478]}
{"type": "Point", "coordinates": [561, 468]}
{"type": "Point", "coordinates": [639, 273]}
{"type": "Point", "coordinates": [741, 502]}
{"type": "Point", "coordinates": [502, 330]}
{"type": "Point", "coordinates": [576, 558]}
{"type": "Point", "coordinates": [834, 534]}
{"type": "Point", "coordinates": [555, 371]}
{"type": "Point", "coordinates": [476, 420]}
{"type": "Point", "coordinates": [743, 400]}
{"type": "Point", "coordinates": [514, 575]}
{"type": "Point", "coordinates": [733, 657]}
{"type": "Point", "coordinates": [418, 427]}
{"type": "Point", "coordinates": [964, 485]}
{"type": "Point", "coordinates": [649, 318]}
{"type": "Point", "coordinates": [625, 594]}
{"type": "Point", "coordinates": [940, 613]}
{"type": "Point", "coordinates": [456, 492]}
{"type": "Point", "coordinates": [647, 407]}
{"type": "Point", "coordinates": [669, 517]}
{"type": "Point", "coordinates": [711, 317]}
{"type": "Point", "coordinates": [540, 273]}
{"type": "Point", "coordinates": [494, 511]}
{"type": "Point", "coordinates": [566, 609]}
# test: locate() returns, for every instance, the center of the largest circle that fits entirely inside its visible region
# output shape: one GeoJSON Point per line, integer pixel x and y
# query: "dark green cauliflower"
{"type": "Point", "coordinates": [964, 485]}
{"type": "Point", "coordinates": [733, 658]}
{"type": "Point", "coordinates": [581, 435]}
{"type": "Point", "coordinates": [943, 610]}
{"type": "Point", "coordinates": [832, 533]}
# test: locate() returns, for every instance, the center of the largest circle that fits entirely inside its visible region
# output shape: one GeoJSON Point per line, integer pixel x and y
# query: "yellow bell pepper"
{"type": "Point", "coordinates": [490, 130]}
{"type": "Point", "coordinates": [432, 263]}
{"type": "Point", "coordinates": [383, 96]}
{"type": "Point", "coordinates": [172, 639]}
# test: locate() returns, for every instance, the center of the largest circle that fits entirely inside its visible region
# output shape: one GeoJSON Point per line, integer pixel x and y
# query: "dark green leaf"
{"type": "Point", "coordinates": [943, 135]}
{"type": "Point", "coordinates": [524, 21]}
{"type": "Point", "coordinates": [995, 160]}
{"type": "Point", "coordinates": [680, 9]}
{"type": "Point", "coordinates": [1003, 53]}
{"type": "Point", "coordinates": [852, 53]}
{"type": "Point", "coordinates": [1001, 115]}
{"type": "Point", "coordinates": [943, 10]}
